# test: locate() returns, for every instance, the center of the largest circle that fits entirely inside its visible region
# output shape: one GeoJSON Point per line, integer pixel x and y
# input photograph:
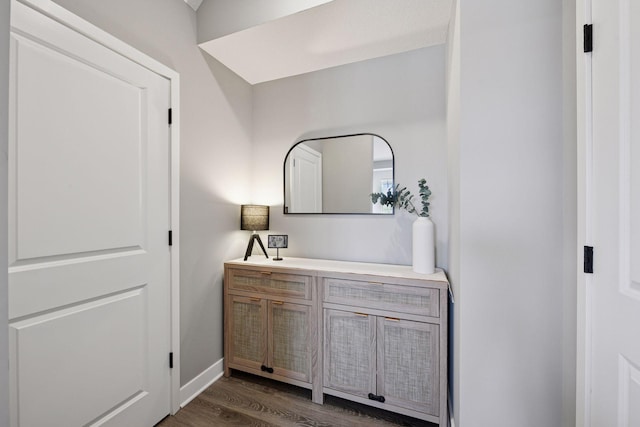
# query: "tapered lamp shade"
{"type": "Point", "coordinates": [254, 217]}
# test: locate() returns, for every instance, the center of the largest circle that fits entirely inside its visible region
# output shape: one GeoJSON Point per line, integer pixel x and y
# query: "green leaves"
{"type": "Point", "coordinates": [403, 199]}
{"type": "Point", "coordinates": [424, 195]}
{"type": "Point", "coordinates": [388, 199]}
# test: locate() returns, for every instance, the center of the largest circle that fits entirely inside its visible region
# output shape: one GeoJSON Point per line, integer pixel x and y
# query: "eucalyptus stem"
{"type": "Point", "coordinates": [403, 199]}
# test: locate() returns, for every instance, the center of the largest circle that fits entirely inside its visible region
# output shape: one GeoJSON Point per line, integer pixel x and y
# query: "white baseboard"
{"type": "Point", "coordinates": [193, 388]}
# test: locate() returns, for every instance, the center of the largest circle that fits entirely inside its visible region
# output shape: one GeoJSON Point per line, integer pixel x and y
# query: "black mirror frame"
{"type": "Point", "coordinates": [284, 175]}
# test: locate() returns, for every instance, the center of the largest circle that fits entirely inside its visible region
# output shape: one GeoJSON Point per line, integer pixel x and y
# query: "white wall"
{"type": "Point", "coordinates": [4, 256]}
{"type": "Point", "coordinates": [215, 155]}
{"type": "Point", "coordinates": [402, 99]}
{"type": "Point", "coordinates": [507, 226]}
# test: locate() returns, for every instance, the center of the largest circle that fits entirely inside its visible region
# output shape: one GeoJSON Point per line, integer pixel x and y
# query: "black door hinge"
{"type": "Point", "coordinates": [171, 360]}
{"type": "Point", "coordinates": [588, 259]}
{"type": "Point", "coordinates": [170, 120]}
{"type": "Point", "coordinates": [170, 237]}
{"type": "Point", "coordinates": [588, 37]}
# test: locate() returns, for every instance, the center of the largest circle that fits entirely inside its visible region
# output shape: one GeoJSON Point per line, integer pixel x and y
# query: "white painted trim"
{"type": "Point", "coordinates": [5, 12]}
{"type": "Point", "coordinates": [175, 248]}
{"type": "Point", "coordinates": [63, 16]}
{"type": "Point", "coordinates": [584, 189]}
{"type": "Point", "coordinates": [193, 388]}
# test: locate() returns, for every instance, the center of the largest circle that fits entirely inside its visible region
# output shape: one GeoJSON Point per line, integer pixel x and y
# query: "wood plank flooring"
{"type": "Point", "coordinates": [248, 400]}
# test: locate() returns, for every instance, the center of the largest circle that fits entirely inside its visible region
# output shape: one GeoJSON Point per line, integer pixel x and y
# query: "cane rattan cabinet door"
{"type": "Point", "coordinates": [290, 340]}
{"type": "Point", "coordinates": [247, 331]}
{"type": "Point", "coordinates": [350, 352]}
{"type": "Point", "coordinates": [408, 364]}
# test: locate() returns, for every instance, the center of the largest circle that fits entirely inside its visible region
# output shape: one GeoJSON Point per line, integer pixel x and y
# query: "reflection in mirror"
{"type": "Point", "coordinates": [336, 175]}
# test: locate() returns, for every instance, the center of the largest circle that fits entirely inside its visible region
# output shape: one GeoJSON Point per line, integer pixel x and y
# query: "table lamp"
{"type": "Point", "coordinates": [254, 218]}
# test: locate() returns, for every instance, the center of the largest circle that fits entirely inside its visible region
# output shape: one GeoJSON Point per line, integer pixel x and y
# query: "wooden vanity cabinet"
{"type": "Point", "coordinates": [385, 342]}
{"type": "Point", "coordinates": [269, 324]}
{"type": "Point", "coordinates": [371, 333]}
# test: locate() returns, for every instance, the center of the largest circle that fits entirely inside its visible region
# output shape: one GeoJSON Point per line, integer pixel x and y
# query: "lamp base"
{"type": "Point", "coordinates": [254, 236]}
{"type": "Point", "coordinates": [277, 258]}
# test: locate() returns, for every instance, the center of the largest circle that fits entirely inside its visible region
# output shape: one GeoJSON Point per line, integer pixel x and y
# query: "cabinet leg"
{"type": "Point", "coordinates": [317, 396]}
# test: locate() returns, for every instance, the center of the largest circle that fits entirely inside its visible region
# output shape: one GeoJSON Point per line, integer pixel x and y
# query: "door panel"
{"type": "Point", "coordinates": [615, 287]}
{"type": "Point", "coordinates": [629, 394]}
{"type": "Point", "coordinates": [86, 137]}
{"type": "Point", "coordinates": [89, 263]}
{"type": "Point", "coordinates": [93, 349]}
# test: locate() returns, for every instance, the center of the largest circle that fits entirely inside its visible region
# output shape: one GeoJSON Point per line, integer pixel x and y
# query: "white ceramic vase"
{"type": "Point", "coordinates": [424, 259]}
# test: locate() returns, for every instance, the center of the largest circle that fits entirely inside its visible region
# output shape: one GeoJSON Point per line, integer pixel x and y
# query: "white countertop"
{"type": "Point", "coordinates": [391, 270]}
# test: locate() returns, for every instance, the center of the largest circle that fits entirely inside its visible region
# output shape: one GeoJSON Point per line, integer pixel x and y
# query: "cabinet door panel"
{"type": "Point", "coordinates": [408, 369]}
{"type": "Point", "coordinates": [290, 340]}
{"type": "Point", "coordinates": [248, 331]}
{"type": "Point", "coordinates": [350, 353]}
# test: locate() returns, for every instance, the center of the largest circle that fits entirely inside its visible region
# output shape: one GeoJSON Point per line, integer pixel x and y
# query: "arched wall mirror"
{"type": "Point", "coordinates": [336, 175]}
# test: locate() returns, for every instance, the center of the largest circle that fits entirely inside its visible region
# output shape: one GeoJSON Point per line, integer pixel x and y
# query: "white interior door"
{"type": "Point", "coordinates": [612, 223]}
{"type": "Point", "coordinates": [306, 180]}
{"type": "Point", "coordinates": [89, 261]}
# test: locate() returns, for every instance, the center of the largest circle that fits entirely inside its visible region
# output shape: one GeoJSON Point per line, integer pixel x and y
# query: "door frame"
{"type": "Point", "coordinates": [5, 12]}
{"type": "Point", "coordinates": [293, 188]}
{"type": "Point", "coordinates": [584, 282]}
{"type": "Point", "coordinates": [63, 16]}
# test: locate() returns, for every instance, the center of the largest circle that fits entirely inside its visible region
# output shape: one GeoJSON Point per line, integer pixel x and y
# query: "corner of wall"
{"type": "Point", "coordinates": [453, 163]}
{"type": "Point", "coordinates": [201, 382]}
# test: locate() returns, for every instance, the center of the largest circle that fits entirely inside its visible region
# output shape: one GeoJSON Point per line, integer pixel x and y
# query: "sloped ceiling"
{"type": "Point", "coordinates": [332, 34]}
{"type": "Point", "coordinates": [195, 4]}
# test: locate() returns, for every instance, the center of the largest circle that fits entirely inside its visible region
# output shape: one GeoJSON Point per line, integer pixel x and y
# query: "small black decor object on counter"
{"type": "Point", "coordinates": [278, 241]}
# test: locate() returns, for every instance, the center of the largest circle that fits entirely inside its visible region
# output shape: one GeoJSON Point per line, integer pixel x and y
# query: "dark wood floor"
{"type": "Point", "coordinates": [247, 400]}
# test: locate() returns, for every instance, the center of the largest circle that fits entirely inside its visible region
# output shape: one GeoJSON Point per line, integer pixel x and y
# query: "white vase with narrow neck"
{"type": "Point", "coordinates": [424, 253]}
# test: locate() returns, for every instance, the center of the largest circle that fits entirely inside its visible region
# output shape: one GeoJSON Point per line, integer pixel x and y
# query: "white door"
{"type": "Point", "coordinates": [89, 261]}
{"type": "Point", "coordinates": [612, 221]}
{"type": "Point", "coordinates": [306, 180]}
